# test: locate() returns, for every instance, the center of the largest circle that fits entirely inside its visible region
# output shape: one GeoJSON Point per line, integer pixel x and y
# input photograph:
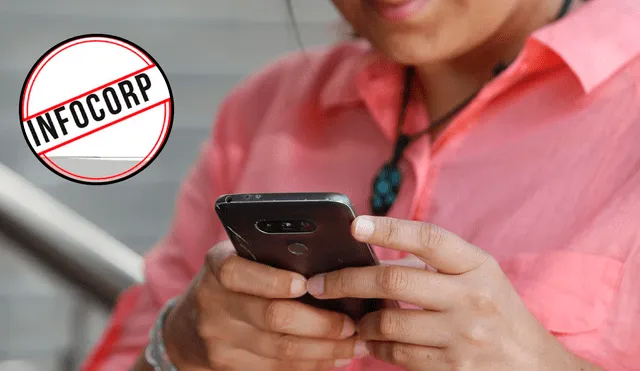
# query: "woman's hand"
{"type": "Point", "coordinates": [472, 319]}
{"type": "Point", "coordinates": [238, 315]}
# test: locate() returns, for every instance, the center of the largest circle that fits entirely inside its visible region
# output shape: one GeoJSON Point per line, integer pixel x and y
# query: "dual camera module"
{"type": "Point", "coordinates": [293, 226]}
{"type": "Point", "coordinates": [285, 226]}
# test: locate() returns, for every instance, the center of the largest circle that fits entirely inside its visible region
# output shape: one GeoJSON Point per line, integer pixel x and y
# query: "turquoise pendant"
{"type": "Point", "coordinates": [386, 187]}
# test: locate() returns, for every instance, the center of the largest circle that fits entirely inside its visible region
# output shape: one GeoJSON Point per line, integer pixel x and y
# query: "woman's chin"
{"type": "Point", "coordinates": [406, 53]}
{"type": "Point", "coordinates": [418, 50]}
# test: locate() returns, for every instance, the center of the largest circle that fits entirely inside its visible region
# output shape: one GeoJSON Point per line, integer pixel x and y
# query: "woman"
{"type": "Point", "coordinates": [513, 126]}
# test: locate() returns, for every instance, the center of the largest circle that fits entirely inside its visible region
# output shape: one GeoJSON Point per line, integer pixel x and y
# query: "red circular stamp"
{"type": "Point", "coordinates": [96, 109]}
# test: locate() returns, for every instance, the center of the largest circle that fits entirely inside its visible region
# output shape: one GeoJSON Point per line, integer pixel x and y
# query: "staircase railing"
{"type": "Point", "coordinates": [71, 247]}
{"type": "Point", "coordinates": [64, 242]}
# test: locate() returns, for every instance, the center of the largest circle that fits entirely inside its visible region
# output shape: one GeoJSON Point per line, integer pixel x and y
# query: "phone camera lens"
{"type": "Point", "coordinates": [285, 227]}
{"type": "Point", "coordinates": [305, 226]}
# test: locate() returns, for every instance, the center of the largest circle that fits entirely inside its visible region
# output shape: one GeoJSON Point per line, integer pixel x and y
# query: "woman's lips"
{"type": "Point", "coordinates": [397, 10]}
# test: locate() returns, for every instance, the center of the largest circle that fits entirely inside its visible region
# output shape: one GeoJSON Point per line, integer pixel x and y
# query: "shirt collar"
{"type": "Point", "coordinates": [595, 41]}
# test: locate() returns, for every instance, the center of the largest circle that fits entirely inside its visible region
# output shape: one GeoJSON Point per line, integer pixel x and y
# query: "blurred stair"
{"type": "Point", "coordinates": [205, 47]}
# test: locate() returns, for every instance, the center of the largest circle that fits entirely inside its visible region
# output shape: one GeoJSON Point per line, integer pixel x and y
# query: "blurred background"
{"type": "Point", "coordinates": [204, 47]}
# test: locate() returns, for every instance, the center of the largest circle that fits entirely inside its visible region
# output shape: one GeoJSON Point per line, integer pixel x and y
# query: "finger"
{"type": "Point", "coordinates": [412, 357]}
{"type": "Point", "coordinates": [289, 317]}
{"type": "Point", "coordinates": [419, 287]}
{"type": "Point", "coordinates": [437, 247]}
{"type": "Point", "coordinates": [293, 348]}
{"type": "Point", "coordinates": [227, 357]}
{"type": "Point", "coordinates": [218, 254]}
{"type": "Point", "coordinates": [289, 348]}
{"type": "Point", "coordinates": [410, 261]}
{"type": "Point", "coordinates": [314, 366]}
{"type": "Point", "coordinates": [274, 345]}
{"type": "Point", "coordinates": [275, 365]}
{"type": "Point", "coordinates": [407, 326]}
{"type": "Point", "coordinates": [241, 275]}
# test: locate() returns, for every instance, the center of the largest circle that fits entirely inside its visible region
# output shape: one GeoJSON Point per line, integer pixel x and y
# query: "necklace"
{"type": "Point", "coordinates": [388, 180]}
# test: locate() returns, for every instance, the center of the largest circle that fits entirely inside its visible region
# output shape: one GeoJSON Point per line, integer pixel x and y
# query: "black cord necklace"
{"type": "Point", "coordinates": [386, 184]}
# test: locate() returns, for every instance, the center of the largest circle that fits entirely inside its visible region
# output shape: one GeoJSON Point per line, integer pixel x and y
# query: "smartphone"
{"type": "Point", "coordinates": [308, 233]}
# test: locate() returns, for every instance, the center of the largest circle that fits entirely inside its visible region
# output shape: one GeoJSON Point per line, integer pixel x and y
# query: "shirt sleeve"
{"type": "Point", "coordinates": [615, 346]}
{"type": "Point", "coordinates": [175, 260]}
{"type": "Point", "coordinates": [625, 354]}
{"type": "Point", "coordinates": [621, 339]}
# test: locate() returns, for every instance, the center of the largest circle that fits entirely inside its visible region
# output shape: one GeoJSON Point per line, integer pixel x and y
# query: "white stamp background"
{"type": "Point", "coordinates": [75, 69]}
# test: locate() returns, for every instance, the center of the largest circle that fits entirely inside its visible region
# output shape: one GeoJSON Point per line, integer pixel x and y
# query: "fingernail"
{"type": "Point", "coordinates": [315, 285]}
{"type": "Point", "coordinates": [298, 286]}
{"type": "Point", "coordinates": [342, 362]}
{"type": "Point", "coordinates": [360, 349]}
{"type": "Point", "coordinates": [364, 227]}
{"type": "Point", "coordinates": [348, 329]}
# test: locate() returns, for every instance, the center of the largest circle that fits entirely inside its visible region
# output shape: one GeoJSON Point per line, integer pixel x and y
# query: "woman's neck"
{"type": "Point", "coordinates": [445, 85]}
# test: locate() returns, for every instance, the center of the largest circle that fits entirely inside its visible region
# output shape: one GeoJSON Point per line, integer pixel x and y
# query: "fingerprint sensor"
{"type": "Point", "coordinates": [297, 249]}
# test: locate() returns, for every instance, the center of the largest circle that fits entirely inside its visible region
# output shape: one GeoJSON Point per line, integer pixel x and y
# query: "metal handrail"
{"type": "Point", "coordinates": [64, 242]}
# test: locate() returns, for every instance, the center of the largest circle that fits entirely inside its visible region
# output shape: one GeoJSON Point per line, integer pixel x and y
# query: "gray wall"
{"type": "Point", "coordinates": [205, 47]}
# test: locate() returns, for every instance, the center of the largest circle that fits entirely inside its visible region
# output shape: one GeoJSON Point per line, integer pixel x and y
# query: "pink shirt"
{"type": "Point", "coordinates": [542, 170]}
